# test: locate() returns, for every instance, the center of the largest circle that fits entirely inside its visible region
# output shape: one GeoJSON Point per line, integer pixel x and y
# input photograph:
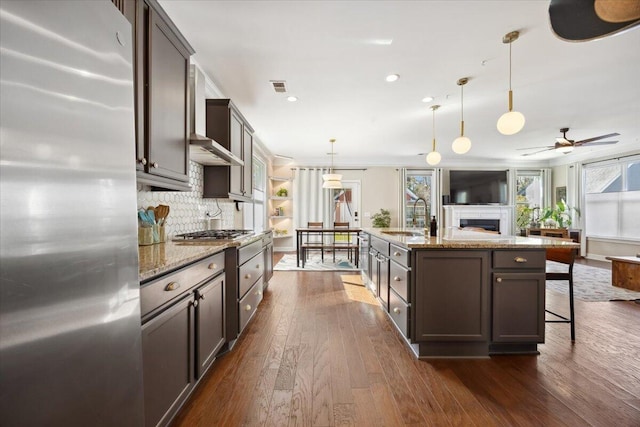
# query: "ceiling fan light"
{"type": "Point", "coordinates": [565, 149]}
{"type": "Point", "coordinates": [461, 145]}
{"type": "Point", "coordinates": [510, 123]}
{"type": "Point", "coordinates": [433, 158]}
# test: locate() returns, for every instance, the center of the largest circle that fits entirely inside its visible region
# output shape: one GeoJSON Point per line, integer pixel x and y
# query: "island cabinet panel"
{"type": "Point", "coordinates": [518, 307]}
{"type": "Point", "coordinates": [451, 296]}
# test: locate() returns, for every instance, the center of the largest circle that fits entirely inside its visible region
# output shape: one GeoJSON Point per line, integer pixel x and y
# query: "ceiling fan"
{"type": "Point", "coordinates": [564, 145]}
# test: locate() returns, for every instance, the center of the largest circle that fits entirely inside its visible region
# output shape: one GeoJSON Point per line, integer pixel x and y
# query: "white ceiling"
{"type": "Point", "coordinates": [327, 53]}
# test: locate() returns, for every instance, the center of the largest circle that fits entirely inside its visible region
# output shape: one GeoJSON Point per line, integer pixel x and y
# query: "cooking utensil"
{"type": "Point", "coordinates": [162, 212]}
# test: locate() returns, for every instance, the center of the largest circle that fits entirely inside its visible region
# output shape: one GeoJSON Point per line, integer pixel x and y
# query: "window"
{"type": "Point", "coordinates": [418, 184]}
{"type": "Point", "coordinates": [612, 199]}
{"type": "Point", "coordinates": [254, 214]}
{"type": "Point", "coordinates": [529, 190]}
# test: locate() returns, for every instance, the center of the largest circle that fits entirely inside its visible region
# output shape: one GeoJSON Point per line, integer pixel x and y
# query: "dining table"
{"type": "Point", "coordinates": [300, 232]}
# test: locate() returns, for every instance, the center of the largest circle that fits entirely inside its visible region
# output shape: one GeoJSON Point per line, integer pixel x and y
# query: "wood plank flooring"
{"type": "Point", "coordinates": [320, 352]}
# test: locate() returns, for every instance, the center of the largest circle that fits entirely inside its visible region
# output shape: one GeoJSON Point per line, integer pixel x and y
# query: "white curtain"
{"type": "Point", "coordinates": [309, 198]}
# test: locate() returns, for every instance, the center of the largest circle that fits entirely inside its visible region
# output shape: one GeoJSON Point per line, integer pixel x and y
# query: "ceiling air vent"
{"type": "Point", "coordinates": [278, 86]}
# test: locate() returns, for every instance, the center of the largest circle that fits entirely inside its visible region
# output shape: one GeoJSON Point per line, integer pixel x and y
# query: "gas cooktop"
{"type": "Point", "coordinates": [213, 235]}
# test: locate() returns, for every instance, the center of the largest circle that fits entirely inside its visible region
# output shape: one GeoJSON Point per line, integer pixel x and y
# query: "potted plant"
{"type": "Point", "coordinates": [283, 192]}
{"type": "Point", "coordinates": [527, 217]}
{"type": "Point", "coordinates": [560, 214]}
{"type": "Point", "coordinates": [381, 219]}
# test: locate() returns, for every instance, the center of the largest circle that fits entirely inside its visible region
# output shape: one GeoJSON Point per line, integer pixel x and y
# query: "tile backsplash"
{"type": "Point", "coordinates": [188, 208]}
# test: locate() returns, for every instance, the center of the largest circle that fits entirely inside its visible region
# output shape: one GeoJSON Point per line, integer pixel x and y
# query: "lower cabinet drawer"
{"type": "Point", "coordinates": [249, 304]}
{"type": "Point", "coordinates": [250, 272]}
{"type": "Point", "coordinates": [399, 280]}
{"type": "Point", "coordinates": [399, 312]}
{"type": "Point", "coordinates": [520, 259]}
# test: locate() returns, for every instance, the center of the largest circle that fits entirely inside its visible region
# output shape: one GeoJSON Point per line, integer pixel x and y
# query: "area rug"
{"type": "Point", "coordinates": [314, 263]}
{"type": "Point", "coordinates": [589, 284]}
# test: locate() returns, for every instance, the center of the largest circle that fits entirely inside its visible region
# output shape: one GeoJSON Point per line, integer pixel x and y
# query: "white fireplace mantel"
{"type": "Point", "coordinates": [454, 213]}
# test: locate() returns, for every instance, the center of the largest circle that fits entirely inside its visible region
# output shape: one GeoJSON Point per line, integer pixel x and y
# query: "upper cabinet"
{"type": "Point", "coordinates": [228, 127]}
{"type": "Point", "coordinates": [161, 76]}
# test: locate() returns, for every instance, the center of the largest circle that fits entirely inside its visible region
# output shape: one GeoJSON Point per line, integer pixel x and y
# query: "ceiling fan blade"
{"type": "Point", "coordinates": [536, 152]}
{"type": "Point", "coordinates": [595, 138]}
{"type": "Point", "coordinates": [533, 148]}
{"type": "Point", "coordinates": [596, 143]}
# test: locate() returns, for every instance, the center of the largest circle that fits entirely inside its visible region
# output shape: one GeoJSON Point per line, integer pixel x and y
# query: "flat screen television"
{"type": "Point", "coordinates": [478, 187]}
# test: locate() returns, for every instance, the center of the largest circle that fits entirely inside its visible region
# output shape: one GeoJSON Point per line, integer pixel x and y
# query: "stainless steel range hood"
{"type": "Point", "coordinates": [203, 150]}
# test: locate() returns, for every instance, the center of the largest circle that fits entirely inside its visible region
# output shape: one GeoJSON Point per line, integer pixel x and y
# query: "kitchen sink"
{"type": "Point", "coordinates": [403, 233]}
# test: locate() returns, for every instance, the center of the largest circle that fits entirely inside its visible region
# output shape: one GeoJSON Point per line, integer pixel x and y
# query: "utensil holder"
{"type": "Point", "coordinates": [145, 236]}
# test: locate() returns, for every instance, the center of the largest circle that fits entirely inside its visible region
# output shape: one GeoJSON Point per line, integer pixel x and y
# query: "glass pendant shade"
{"type": "Point", "coordinates": [461, 145]}
{"type": "Point", "coordinates": [433, 158]}
{"type": "Point", "coordinates": [565, 149]}
{"type": "Point", "coordinates": [510, 123]}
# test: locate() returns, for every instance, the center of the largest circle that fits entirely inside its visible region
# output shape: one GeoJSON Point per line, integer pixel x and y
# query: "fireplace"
{"type": "Point", "coordinates": [490, 217]}
{"type": "Point", "coordinates": [487, 224]}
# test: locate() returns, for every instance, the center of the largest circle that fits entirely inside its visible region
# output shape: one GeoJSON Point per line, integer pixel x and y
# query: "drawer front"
{"type": "Point", "coordinates": [523, 259]}
{"type": "Point", "coordinates": [399, 255]}
{"type": "Point", "coordinates": [160, 291]}
{"type": "Point", "coordinates": [249, 304]}
{"type": "Point", "coordinates": [245, 253]}
{"type": "Point", "coordinates": [399, 312]}
{"type": "Point", "coordinates": [399, 280]}
{"type": "Point", "coordinates": [250, 272]}
{"type": "Point", "coordinates": [267, 239]}
{"type": "Point", "coordinates": [380, 245]}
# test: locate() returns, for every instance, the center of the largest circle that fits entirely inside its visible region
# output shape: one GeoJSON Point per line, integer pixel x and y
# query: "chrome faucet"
{"type": "Point", "coordinates": [413, 221]}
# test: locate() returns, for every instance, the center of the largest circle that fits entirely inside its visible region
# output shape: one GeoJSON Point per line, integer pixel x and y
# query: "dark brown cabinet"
{"type": "Point", "coordinates": [183, 329]}
{"type": "Point", "coordinates": [228, 127]}
{"type": "Point", "coordinates": [451, 296]}
{"type": "Point", "coordinates": [161, 79]}
{"type": "Point", "coordinates": [379, 250]}
{"type": "Point", "coordinates": [267, 248]}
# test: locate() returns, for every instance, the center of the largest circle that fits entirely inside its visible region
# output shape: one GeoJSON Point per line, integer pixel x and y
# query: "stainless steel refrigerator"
{"type": "Point", "coordinates": [70, 346]}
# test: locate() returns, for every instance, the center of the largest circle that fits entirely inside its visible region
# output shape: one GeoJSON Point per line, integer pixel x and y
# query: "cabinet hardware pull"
{"type": "Point", "coordinates": [247, 276]}
{"type": "Point", "coordinates": [247, 307]}
{"type": "Point", "coordinates": [396, 310]}
{"type": "Point", "coordinates": [520, 259]}
{"type": "Point", "coordinates": [258, 266]}
{"type": "Point", "coordinates": [397, 254]}
{"type": "Point", "coordinates": [143, 161]}
{"type": "Point", "coordinates": [155, 164]}
{"type": "Point", "coordinates": [258, 292]}
{"type": "Point", "coordinates": [195, 303]}
{"type": "Point", "coordinates": [172, 286]}
{"type": "Point", "coordinates": [212, 266]}
{"type": "Point", "coordinates": [397, 278]}
{"type": "Point", "coordinates": [499, 280]}
{"type": "Point", "coordinates": [200, 296]}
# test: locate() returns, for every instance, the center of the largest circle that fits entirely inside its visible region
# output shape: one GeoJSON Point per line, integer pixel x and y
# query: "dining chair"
{"type": "Point", "coordinates": [567, 257]}
{"type": "Point", "coordinates": [313, 241]}
{"type": "Point", "coordinates": [339, 243]}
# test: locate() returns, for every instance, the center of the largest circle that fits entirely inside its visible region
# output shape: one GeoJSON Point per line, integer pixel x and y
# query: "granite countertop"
{"type": "Point", "coordinates": [455, 238]}
{"type": "Point", "coordinates": [155, 260]}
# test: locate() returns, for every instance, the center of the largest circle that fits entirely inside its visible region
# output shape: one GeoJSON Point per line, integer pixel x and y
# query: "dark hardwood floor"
{"type": "Point", "coordinates": [320, 352]}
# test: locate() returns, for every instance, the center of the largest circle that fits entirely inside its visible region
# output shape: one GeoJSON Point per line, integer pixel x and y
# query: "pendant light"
{"type": "Point", "coordinates": [461, 144]}
{"type": "Point", "coordinates": [433, 158]}
{"type": "Point", "coordinates": [332, 180]}
{"type": "Point", "coordinates": [510, 122]}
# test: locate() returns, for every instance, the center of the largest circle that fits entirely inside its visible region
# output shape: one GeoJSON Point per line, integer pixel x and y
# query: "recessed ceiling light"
{"type": "Point", "coordinates": [427, 99]}
{"type": "Point", "coordinates": [292, 98]}
{"type": "Point", "coordinates": [383, 42]}
{"type": "Point", "coordinates": [392, 77]}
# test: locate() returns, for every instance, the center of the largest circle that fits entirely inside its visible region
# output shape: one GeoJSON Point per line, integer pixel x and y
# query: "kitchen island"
{"type": "Point", "coordinates": [465, 294]}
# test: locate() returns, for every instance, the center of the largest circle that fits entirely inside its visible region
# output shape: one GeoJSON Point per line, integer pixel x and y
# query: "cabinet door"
{"type": "Point", "coordinates": [268, 264]}
{"type": "Point", "coordinates": [452, 296]}
{"type": "Point", "coordinates": [383, 284]}
{"type": "Point", "coordinates": [167, 361]}
{"type": "Point", "coordinates": [167, 138]}
{"type": "Point", "coordinates": [247, 157]}
{"type": "Point", "coordinates": [210, 326]}
{"type": "Point", "coordinates": [236, 173]}
{"type": "Point", "coordinates": [518, 307]}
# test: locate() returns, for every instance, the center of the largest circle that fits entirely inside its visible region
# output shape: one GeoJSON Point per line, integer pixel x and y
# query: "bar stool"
{"type": "Point", "coordinates": [567, 257]}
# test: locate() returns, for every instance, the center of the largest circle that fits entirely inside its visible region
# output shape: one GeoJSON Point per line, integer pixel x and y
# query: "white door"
{"type": "Point", "coordinates": [345, 204]}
